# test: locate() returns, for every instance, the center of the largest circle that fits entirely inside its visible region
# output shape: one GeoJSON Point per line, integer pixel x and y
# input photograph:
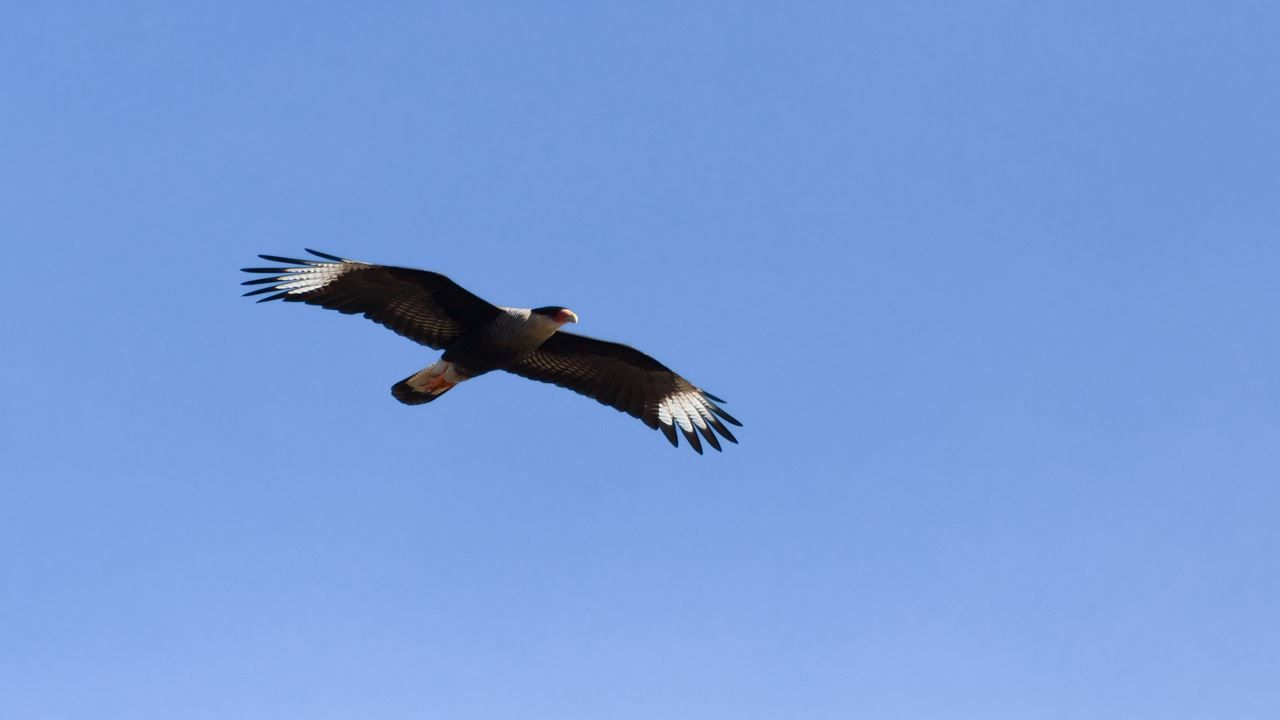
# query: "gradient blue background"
{"type": "Point", "coordinates": [993, 285]}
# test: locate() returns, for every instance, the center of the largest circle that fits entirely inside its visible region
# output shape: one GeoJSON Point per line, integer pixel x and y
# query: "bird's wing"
{"type": "Point", "coordinates": [628, 380]}
{"type": "Point", "coordinates": [423, 306]}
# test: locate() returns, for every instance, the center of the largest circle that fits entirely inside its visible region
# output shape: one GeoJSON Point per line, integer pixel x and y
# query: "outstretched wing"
{"type": "Point", "coordinates": [628, 380]}
{"type": "Point", "coordinates": [423, 306]}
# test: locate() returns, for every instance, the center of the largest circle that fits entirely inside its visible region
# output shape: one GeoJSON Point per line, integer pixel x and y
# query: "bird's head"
{"type": "Point", "coordinates": [559, 315]}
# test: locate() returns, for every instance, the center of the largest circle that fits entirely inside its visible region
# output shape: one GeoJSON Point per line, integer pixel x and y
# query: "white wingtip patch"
{"type": "Point", "coordinates": [686, 409]}
{"type": "Point", "coordinates": [664, 413]}
{"type": "Point", "coordinates": [301, 280]}
{"type": "Point", "coordinates": [693, 411]}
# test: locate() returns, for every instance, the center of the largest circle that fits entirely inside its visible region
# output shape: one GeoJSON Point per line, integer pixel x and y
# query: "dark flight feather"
{"type": "Point", "coordinates": [625, 378]}
{"type": "Point", "coordinates": [424, 306]}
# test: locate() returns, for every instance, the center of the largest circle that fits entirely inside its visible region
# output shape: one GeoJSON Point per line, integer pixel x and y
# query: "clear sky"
{"type": "Point", "coordinates": [993, 286]}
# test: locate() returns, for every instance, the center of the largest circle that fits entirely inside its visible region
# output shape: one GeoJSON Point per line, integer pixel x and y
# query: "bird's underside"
{"type": "Point", "coordinates": [478, 337]}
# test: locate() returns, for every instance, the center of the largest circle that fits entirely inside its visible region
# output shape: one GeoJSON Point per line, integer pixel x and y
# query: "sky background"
{"type": "Point", "coordinates": [993, 286]}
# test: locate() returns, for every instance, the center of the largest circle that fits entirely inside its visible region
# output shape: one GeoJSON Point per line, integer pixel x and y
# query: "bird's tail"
{"type": "Point", "coordinates": [427, 384]}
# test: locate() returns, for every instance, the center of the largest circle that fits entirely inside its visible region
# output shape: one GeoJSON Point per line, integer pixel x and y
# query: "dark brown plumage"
{"type": "Point", "coordinates": [479, 337]}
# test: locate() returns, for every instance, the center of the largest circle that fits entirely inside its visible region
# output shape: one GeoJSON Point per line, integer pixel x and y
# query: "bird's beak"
{"type": "Point", "coordinates": [567, 316]}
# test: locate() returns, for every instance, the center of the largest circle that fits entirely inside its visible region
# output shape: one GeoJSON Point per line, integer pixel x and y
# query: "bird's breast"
{"type": "Point", "coordinates": [500, 343]}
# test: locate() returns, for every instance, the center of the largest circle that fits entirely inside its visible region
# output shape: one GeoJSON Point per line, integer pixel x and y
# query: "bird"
{"type": "Point", "coordinates": [478, 337]}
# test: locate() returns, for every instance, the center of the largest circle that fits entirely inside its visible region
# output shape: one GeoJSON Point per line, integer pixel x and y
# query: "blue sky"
{"type": "Point", "coordinates": [992, 285]}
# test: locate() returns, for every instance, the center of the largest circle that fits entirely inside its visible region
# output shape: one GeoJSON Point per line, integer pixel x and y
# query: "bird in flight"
{"type": "Point", "coordinates": [478, 337]}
